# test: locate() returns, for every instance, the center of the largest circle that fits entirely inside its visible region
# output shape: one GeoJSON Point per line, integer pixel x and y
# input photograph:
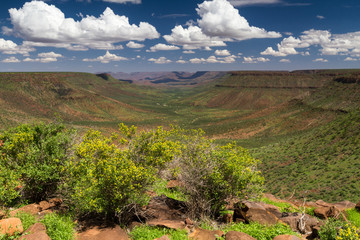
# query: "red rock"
{"type": "Point", "coordinates": [322, 203]}
{"type": "Point", "coordinates": [165, 237]}
{"type": "Point", "coordinates": [254, 212]}
{"type": "Point", "coordinates": [97, 233]}
{"type": "Point", "coordinates": [134, 225]}
{"type": "Point", "coordinates": [344, 205]}
{"type": "Point", "coordinates": [44, 205]}
{"type": "Point", "coordinates": [36, 236]}
{"type": "Point", "coordinates": [55, 202]}
{"type": "Point", "coordinates": [37, 227]}
{"type": "Point", "coordinates": [188, 221]}
{"type": "Point", "coordinates": [2, 214]}
{"type": "Point", "coordinates": [286, 237]}
{"type": "Point", "coordinates": [173, 224]}
{"type": "Point", "coordinates": [233, 235]}
{"type": "Point", "coordinates": [33, 209]}
{"type": "Point", "coordinates": [294, 222]}
{"type": "Point", "coordinates": [326, 212]}
{"type": "Point", "coordinates": [11, 226]}
{"type": "Point", "coordinates": [202, 234]}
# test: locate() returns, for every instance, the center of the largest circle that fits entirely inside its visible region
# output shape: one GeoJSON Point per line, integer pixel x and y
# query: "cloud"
{"type": "Point", "coordinates": [9, 47]}
{"type": "Point", "coordinates": [162, 47]}
{"type": "Point", "coordinates": [188, 52]}
{"type": "Point", "coordinates": [348, 59]}
{"type": "Point", "coordinates": [320, 60]}
{"type": "Point", "coordinates": [219, 22]}
{"type": "Point", "coordinates": [253, 2]}
{"type": "Point", "coordinates": [160, 60]}
{"type": "Point", "coordinates": [214, 59]}
{"type": "Point", "coordinates": [132, 44]}
{"type": "Point", "coordinates": [224, 52]}
{"type": "Point", "coordinates": [108, 57]}
{"type": "Point", "coordinates": [320, 17]}
{"type": "Point", "coordinates": [11, 60]}
{"type": "Point", "coordinates": [50, 55]}
{"type": "Point", "coordinates": [41, 24]}
{"type": "Point", "coordinates": [192, 38]}
{"type": "Point", "coordinates": [285, 60]}
{"type": "Point", "coordinates": [124, 1]}
{"type": "Point", "coordinates": [255, 60]}
{"type": "Point", "coordinates": [181, 61]}
{"type": "Point", "coordinates": [220, 19]}
{"type": "Point", "coordinates": [45, 57]}
{"type": "Point", "coordinates": [330, 44]}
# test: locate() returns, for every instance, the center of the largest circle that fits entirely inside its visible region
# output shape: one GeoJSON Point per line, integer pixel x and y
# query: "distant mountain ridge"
{"type": "Point", "coordinates": [168, 78]}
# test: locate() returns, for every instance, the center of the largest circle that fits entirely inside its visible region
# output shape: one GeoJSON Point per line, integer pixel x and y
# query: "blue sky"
{"type": "Point", "coordinates": [178, 35]}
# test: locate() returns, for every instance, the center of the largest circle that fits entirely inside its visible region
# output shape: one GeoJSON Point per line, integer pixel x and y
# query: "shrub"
{"type": "Point", "coordinates": [26, 219]}
{"type": "Point", "coordinates": [102, 178]}
{"type": "Point", "coordinates": [353, 216]}
{"type": "Point", "coordinates": [349, 232]}
{"type": "Point", "coordinates": [330, 229]}
{"type": "Point", "coordinates": [31, 156]}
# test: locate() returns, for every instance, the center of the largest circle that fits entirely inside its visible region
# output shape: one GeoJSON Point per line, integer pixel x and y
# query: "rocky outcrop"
{"type": "Point", "coordinates": [11, 226]}
{"type": "Point", "coordinates": [357, 207]}
{"type": "Point", "coordinates": [233, 235]}
{"type": "Point", "coordinates": [300, 223]}
{"type": "Point", "coordinates": [203, 234]}
{"type": "Point", "coordinates": [286, 237]}
{"type": "Point", "coordinates": [255, 212]}
{"type": "Point", "coordinates": [98, 233]}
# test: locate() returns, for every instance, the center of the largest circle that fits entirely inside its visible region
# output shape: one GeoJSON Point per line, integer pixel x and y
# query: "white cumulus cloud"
{"type": "Point", "coordinates": [108, 57]}
{"type": "Point", "coordinates": [348, 59]}
{"type": "Point", "coordinates": [219, 18]}
{"type": "Point", "coordinates": [41, 24]}
{"type": "Point", "coordinates": [181, 61]}
{"type": "Point", "coordinates": [160, 60]}
{"type": "Point", "coordinates": [224, 52]}
{"type": "Point", "coordinates": [11, 60]}
{"type": "Point", "coordinates": [320, 60]}
{"type": "Point", "coordinates": [162, 47]}
{"type": "Point", "coordinates": [9, 47]}
{"type": "Point", "coordinates": [188, 52]}
{"type": "Point", "coordinates": [255, 60]}
{"type": "Point", "coordinates": [284, 60]}
{"type": "Point", "coordinates": [132, 44]}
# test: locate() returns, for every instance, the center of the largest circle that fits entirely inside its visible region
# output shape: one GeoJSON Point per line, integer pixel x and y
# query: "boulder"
{"type": "Point", "coordinates": [233, 235]}
{"type": "Point", "coordinates": [33, 209]}
{"type": "Point", "coordinates": [203, 234]}
{"type": "Point", "coordinates": [2, 214]}
{"type": "Point", "coordinates": [344, 205]}
{"type": "Point", "coordinates": [42, 235]}
{"type": "Point", "coordinates": [173, 224]}
{"type": "Point", "coordinates": [37, 227]}
{"type": "Point", "coordinates": [272, 209]}
{"type": "Point", "coordinates": [326, 212]}
{"type": "Point", "coordinates": [98, 233]}
{"type": "Point", "coordinates": [164, 208]}
{"type": "Point", "coordinates": [11, 226]}
{"type": "Point", "coordinates": [254, 212]}
{"type": "Point", "coordinates": [286, 237]}
{"type": "Point", "coordinates": [165, 237]}
{"type": "Point", "coordinates": [301, 224]}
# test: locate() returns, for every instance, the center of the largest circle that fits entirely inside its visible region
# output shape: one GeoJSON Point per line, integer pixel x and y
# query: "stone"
{"type": "Point", "coordinates": [11, 226]}
{"type": "Point", "coordinates": [37, 227]}
{"type": "Point", "coordinates": [326, 212]}
{"type": "Point", "coordinates": [134, 225]}
{"type": "Point", "coordinates": [322, 203]}
{"type": "Point", "coordinates": [33, 209]}
{"type": "Point", "coordinates": [344, 205]}
{"type": "Point", "coordinates": [55, 202]}
{"type": "Point", "coordinates": [2, 214]}
{"type": "Point", "coordinates": [286, 237]}
{"type": "Point", "coordinates": [98, 233]}
{"type": "Point", "coordinates": [165, 237]}
{"type": "Point", "coordinates": [188, 221]}
{"type": "Point", "coordinates": [254, 212]}
{"type": "Point", "coordinates": [173, 224]}
{"type": "Point", "coordinates": [293, 221]}
{"type": "Point", "coordinates": [203, 234]}
{"type": "Point", "coordinates": [272, 209]}
{"type": "Point", "coordinates": [233, 235]}
{"type": "Point", "coordinates": [44, 205]}
{"type": "Point", "coordinates": [42, 235]}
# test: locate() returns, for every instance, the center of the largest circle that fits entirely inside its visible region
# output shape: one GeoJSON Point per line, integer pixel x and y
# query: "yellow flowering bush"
{"type": "Point", "coordinates": [30, 157]}
{"type": "Point", "coordinates": [349, 232]}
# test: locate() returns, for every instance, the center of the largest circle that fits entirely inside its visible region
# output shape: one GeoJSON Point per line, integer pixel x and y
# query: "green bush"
{"type": "Point", "coordinates": [330, 229]}
{"type": "Point", "coordinates": [353, 216]}
{"type": "Point", "coordinates": [26, 219]}
{"type": "Point", "coordinates": [102, 178]}
{"type": "Point", "coordinates": [349, 232]}
{"type": "Point", "coordinates": [31, 156]}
